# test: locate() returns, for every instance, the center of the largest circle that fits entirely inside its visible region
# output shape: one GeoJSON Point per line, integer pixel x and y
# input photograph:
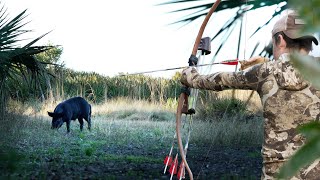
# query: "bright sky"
{"type": "Point", "coordinates": [110, 37]}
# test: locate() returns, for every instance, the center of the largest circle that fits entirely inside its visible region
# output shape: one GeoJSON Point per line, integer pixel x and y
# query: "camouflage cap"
{"type": "Point", "coordinates": [290, 25]}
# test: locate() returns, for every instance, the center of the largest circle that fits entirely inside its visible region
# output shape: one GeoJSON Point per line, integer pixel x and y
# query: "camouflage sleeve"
{"type": "Point", "coordinates": [247, 79]}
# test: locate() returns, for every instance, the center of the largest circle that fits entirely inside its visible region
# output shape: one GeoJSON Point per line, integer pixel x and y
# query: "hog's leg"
{"type": "Point", "coordinates": [81, 123]}
{"type": "Point", "coordinates": [88, 119]}
{"type": "Point", "coordinates": [68, 126]}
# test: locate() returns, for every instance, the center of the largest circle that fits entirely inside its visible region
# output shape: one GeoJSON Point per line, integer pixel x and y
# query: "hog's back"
{"type": "Point", "coordinates": [74, 108]}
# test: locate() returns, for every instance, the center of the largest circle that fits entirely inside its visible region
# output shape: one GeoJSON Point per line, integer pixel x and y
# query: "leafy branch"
{"type": "Point", "coordinates": [310, 69]}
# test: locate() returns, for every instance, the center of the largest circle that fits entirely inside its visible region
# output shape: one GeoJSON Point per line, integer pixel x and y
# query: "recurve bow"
{"type": "Point", "coordinates": [183, 98]}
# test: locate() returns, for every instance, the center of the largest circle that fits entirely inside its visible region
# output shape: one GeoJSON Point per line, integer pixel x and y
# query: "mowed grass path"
{"type": "Point", "coordinates": [124, 143]}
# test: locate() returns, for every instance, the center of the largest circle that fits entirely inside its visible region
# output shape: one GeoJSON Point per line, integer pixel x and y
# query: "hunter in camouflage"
{"type": "Point", "coordinates": [288, 100]}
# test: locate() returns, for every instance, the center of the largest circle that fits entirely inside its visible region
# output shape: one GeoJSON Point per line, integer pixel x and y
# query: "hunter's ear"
{"type": "Point", "coordinates": [51, 114]}
{"type": "Point", "coordinates": [282, 43]}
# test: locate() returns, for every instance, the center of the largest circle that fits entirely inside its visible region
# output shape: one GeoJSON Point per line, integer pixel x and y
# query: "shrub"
{"type": "Point", "coordinates": [220, 108]}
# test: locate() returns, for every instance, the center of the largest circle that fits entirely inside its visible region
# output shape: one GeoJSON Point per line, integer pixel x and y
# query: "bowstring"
{"type": "Point", "coordinates": [194, 97]}
{"type": "Point", "coordinates": [202, 165]}
{"type": "Point", "coordinates": [243, 26]}
{"type": "Point", "coordinates": [245, 47]}
{"type": "Point", "coordinates": [244, 54]}
{"type": "Point", "coordinates": [188, 119]}
{"type": "Point", "coordinates": [245, 30]}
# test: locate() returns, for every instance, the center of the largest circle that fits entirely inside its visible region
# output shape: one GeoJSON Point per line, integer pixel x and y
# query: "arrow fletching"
{"type": "Point", "coordinates": [174, 166]}
{"type": "Point", "coordinates": [168, 160]}
{"type": "Point", "coordinates": [181, 173]}
{"type": "Point", "coordinates": [231, 62]}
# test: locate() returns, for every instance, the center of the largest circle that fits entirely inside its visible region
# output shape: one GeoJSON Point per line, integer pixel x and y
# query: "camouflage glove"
{"type": "Point", "coordinates": [252, 61]}
{"type": "Point", "coordinates": [193, 60]}
{"type": "Point", "coordinates": [185, 89]}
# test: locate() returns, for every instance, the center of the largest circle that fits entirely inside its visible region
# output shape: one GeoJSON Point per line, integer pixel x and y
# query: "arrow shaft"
{"type": "Point", "coordinates": [227, 62]}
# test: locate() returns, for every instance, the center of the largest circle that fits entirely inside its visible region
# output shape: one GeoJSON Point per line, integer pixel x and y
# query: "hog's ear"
{"type": "Point", "coordinates": [51, 114]}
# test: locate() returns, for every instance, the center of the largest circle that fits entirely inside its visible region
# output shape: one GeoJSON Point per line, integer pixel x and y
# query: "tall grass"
{"type": "Point", "coordinates": [123, 116]}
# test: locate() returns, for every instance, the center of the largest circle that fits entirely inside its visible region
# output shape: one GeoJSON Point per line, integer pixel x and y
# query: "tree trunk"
{"type": "Point", "coordinates": [50, 96]}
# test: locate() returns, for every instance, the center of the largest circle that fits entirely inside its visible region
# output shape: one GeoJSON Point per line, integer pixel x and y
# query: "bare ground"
{"type": "Point", "coordinates": [137, 162]}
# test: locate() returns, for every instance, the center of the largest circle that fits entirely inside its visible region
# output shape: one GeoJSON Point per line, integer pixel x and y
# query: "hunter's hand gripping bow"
{"type": "Point", "coordinates": [183, 99]}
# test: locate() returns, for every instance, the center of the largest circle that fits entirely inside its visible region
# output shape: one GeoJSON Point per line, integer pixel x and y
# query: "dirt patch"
{"type": "Point", "coordinates": [225, 162]}
{"type": "Point", "coordinates": [115, 150]}
{"type": "Point", "coordinates": [135, 162]}
{"type": "Point", "coordinates": [206, 162]}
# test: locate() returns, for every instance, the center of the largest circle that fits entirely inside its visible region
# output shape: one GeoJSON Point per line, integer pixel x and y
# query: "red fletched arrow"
{"type": "Point", "coordinates": [174, 166]}
{"type": "Point", "coordinates": [231, 62]}
{"type": "Point", "coordinates": [168, 161]}
{"type": "Point", "coordinates": [181, 173]}
{"type": "Point", "coordinates": [227, 62]}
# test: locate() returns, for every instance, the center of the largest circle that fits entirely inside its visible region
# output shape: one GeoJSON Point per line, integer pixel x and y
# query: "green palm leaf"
{"type": "Point", "coordinates": [241, 7]}
{"type": "Point", "coordinates": [17, 61]}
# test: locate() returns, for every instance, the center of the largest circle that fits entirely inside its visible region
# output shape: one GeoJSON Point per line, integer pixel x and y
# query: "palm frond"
{"type": "Point", "coordinates": [224, 5]}
{"type": "Point", "coordinates": [17, 62]}
{"type": "Point", "coordinates": [196, 9]}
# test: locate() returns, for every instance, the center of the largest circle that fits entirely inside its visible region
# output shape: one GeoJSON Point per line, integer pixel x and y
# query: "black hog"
{"type": "Point", "coordinates": [71, 109]}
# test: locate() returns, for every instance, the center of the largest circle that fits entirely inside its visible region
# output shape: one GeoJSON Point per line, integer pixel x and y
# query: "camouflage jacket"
{"type": "Point", "coordinates": [287, 100]}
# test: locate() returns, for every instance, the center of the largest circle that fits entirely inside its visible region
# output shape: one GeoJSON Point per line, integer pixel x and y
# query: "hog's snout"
{"type": "Point", "coordinates": [56, 124]}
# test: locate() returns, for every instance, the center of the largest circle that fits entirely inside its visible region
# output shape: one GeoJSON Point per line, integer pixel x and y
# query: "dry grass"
{"type": "Point", "coordinates": [129, 119]}
{"type": "Point", "coordinates": [125, 104]}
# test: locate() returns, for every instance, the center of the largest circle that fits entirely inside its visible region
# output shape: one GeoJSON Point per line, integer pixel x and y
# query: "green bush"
{"type": "Point", "coordinates": [220, 108]}
{"type": "Point", "coordinates": [161, 116]}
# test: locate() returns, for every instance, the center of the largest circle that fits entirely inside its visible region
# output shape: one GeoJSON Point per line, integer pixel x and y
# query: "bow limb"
{"type": "Point", "coordinates": [203, 26]}
{"type": "Point", "coordinates": [183, 99]}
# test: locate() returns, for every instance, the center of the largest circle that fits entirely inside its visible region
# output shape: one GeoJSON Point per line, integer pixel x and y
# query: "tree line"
{"type": "Point", "coordinates": [97, 88]}
{"type": "Point", "coordinates": [60, 82]}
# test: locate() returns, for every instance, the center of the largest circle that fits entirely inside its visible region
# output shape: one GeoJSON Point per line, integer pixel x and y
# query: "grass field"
{"type": "Point", "coordinates": [128, 139]}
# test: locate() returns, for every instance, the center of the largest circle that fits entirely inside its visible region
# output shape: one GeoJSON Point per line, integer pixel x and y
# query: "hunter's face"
{"type": "Point", "coordinates": [275, 49]}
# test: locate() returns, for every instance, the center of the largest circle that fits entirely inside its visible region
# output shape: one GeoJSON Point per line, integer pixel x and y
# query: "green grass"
{"type": "Point", "coordinates": [29, 148]}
